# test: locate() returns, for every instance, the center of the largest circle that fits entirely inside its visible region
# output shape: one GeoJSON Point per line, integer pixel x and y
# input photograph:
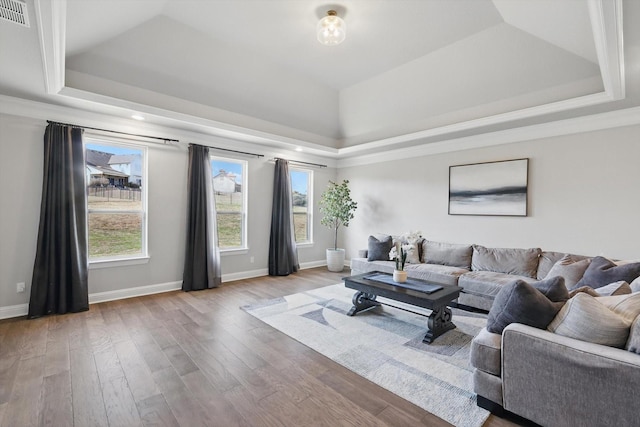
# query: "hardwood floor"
{"type": "Point", "coordinates": [186, 359]}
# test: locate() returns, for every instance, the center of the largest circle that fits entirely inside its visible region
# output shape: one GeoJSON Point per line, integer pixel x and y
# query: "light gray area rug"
{"type": "Point", "coordinates": [385, 346]}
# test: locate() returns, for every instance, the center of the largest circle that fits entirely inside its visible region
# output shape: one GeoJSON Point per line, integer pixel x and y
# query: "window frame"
{"type": "Point", "coordinates": [125, 259]}
{"type": "Point", "coordinates": [309, 172]}
{"type": "Point", "coordinates": [244, 226]}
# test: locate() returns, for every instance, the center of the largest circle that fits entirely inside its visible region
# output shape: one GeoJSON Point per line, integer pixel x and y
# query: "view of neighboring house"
{"type": "Point", "coordinates": [112, 169]}
{"type": "Point", "coordinates": [130, 164]}
{"type": "Point", "coordinates": [225, 182]}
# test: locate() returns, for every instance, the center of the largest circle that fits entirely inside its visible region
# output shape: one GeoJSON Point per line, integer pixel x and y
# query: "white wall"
{"type": "Point", "coordinates": [584, 197]}
{"type": "Point", "coordinates": [21, 159]}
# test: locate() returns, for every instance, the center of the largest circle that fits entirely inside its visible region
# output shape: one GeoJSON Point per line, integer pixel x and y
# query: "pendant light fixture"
{"type": "Point", "coordinates": [331, 29]}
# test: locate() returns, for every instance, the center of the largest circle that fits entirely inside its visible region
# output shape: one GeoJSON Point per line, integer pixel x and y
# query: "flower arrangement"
{"type": "Point", "coordinates": [399, 255]}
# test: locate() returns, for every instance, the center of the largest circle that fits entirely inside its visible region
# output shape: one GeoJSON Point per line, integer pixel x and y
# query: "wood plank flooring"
{"type": "Point", "coordinates": [186, 359]}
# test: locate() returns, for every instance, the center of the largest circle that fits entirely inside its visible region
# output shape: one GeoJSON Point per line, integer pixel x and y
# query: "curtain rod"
{"type": "Point", "coordinates": [239, 152]}
{"type": "Point", "coordinates": [114, 131]}
{"type": "Point", "coordinates": [299, 162]}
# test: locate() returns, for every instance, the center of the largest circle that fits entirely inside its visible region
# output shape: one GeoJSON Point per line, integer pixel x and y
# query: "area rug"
{"type": "Point", "coordinates": [385, 346]}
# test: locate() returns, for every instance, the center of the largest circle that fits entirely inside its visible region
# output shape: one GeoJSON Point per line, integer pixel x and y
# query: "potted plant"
{"type": "Point", "coordinates": [399, 255]}
{"type": "Point", "coordinates": [337, 209]}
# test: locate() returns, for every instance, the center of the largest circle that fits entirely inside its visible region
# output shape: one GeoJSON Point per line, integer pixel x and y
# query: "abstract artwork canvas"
{"type": "Point", "coordinates": [495, 188]}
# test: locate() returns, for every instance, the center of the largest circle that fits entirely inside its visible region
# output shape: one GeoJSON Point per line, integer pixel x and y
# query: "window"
{"type": "Point", "coordinates": [229, 187]}
{"type": "Point", "coordinates": [116, 202]}
{"type": "Point", "coordinates": [301, 185]}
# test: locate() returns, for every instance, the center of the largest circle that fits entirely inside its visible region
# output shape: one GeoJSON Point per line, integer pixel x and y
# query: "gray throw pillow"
{"type": "Point", "coordinates": [553, 288]}
{"type": "Point", "coordinates": [520, 302]}
{"type": "Point", "coordinates": [521, 262]}
{"type": "Point", "coordinates": [451, 254]}
{"type": "Point", "coordinates": [378, 249]}
{"type": "Point", "coordinates": [602, 271]}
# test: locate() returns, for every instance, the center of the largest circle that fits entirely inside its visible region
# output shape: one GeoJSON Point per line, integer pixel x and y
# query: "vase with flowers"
{"type": "Point", "coordinates": [399, 255]}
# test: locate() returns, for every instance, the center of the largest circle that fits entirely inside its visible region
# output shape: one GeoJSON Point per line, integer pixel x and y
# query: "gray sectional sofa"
{"type": "Point", "coordinates": [480, 271]}
{"type": "Point", "coordinates": [582, 370]}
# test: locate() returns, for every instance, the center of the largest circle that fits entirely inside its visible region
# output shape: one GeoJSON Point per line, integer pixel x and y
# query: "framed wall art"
{"type": "Point", "coordinates": [494, 188]}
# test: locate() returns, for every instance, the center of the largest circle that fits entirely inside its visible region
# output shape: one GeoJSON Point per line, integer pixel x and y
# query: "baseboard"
{"type": "Point", "coordinates": [22, 309]}
{"type": "Point", "coordinates": [138, 291]}
{"type": "Point", "coordinates": [313, 264]}
{"type": "Point", "coordinates": [17, 310]}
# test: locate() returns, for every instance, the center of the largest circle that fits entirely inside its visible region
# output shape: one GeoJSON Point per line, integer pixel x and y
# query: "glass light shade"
{"type": "Point", "coordinates": [331, 29]}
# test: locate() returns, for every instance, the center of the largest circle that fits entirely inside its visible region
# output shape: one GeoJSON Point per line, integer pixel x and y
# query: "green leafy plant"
{"type": "Point", "coordinates": [337, 207]}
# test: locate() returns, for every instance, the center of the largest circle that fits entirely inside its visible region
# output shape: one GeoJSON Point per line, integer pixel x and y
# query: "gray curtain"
{"type": "Point", "coordinates": [202, 256]}
{"type": "Point", "coordinates": [60, 276]}
{"type": "Point", "coordinates": [283, 256]}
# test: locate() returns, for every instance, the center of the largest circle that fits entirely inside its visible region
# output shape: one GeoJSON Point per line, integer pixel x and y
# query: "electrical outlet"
{"type": "Point", "coordinates": [20, 287]}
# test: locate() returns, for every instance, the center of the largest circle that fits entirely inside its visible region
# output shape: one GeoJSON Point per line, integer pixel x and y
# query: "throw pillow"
{"type": "Point", "coordinates": [627, 306]}
{"type": "Point", "coordinates": [616, 288]}
{"type": "Point", "coordinates": [451, 254]}
{"type": "Point", "coordinates": [521, 262]}
{"type": "Point", "coordinates": [553, 288]}
{"type": "Point", "coordinates": [571, 269]}
{"type": "Point", "coordinates": [378, 249]}
{"type": "Point", "coordinates": [633, 343]}
{"type": "Point", "coordinates": [520, 302]}
{"type": "Point", "coordinates": [635, 285]}
{"type": "Point", "coordinates": [602, 271]}
{"type": "Point", "coordinates": [585, 289]}
{"type": "Point", "coordinates": [586, 319]}
{"type": "Point", "coordinates": [413, 256]}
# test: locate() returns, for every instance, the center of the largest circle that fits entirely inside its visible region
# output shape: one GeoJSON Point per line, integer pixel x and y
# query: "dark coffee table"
{"type": "Point", "coordinates": [434, 296]}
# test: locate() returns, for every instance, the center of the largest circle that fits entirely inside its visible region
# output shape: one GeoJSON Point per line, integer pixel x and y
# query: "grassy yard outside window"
{"type": "Point", "coordinates": [301, 186]}
{"type": "Point", "coordinates": [116, 200]}
{"type": "Point", "coordinates": [229, 187]}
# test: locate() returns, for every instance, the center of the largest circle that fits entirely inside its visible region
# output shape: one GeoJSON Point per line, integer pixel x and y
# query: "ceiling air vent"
{"type": "Point", "coordinates": [14, 11]}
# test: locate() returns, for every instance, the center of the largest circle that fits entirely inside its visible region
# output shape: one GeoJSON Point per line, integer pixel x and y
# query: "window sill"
{"type": "Point", "coordinates": [238, 251]}
{"type": "Point", "coordinates": [304, 245]}
{"type": "Point", "coordinates": [121, 262]}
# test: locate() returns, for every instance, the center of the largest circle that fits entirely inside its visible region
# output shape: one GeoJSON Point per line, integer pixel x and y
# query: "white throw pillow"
{"type": "Point", "coordinates": [413, 257]}
{"type": "Point", "coordinates": [616, 288]}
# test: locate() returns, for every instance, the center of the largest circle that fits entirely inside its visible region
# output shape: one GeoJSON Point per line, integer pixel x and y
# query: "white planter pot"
{"type": "Point", "coordinates": [335, 259]}
{"type": "Point", "coordinates": [399, 276]}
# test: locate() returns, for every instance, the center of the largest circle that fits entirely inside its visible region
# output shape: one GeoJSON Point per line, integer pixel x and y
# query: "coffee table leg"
{"type": "Point", "coordinates": [362, 301]}
{"type": "Point", "coordinates": [439, 323]}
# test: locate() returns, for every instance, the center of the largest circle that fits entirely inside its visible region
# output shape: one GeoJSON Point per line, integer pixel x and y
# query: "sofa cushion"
{"type": "Point", "coordinates": [584, 318]}
{"type": "Point", "coordinates": [602, 271]}
{"type": "Point", "coordinates": [378, 248]}
{"type": "Point", "coordinates": [520, 302]}
{"type": "Point", "coordinates": [485, 352]}
{"type": "Point", "coordinates": [487, 283]}
{"type": "Point", "coordinates": [571, 269]}
{"type": "Point", "coordinates": [633, 343]}
{"type": "Point", "coordinates": [521, 262]}
{"type": "Point", "coordinates": [442, 274]}
{"type": "Point", "coordinates": [454, 255]}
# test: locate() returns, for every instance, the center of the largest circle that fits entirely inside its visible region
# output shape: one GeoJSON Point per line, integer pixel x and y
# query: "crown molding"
{"type": "Point", "coordinates": [606, 22]}
{"type": "Point", "coordinates": [51, 16]}
{"type": "Point", "coordinates": [613, 119]}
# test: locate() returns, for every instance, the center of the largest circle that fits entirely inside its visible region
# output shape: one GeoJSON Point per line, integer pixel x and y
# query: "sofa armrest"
{"type": "Point", "coordinates": [555, 380]}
